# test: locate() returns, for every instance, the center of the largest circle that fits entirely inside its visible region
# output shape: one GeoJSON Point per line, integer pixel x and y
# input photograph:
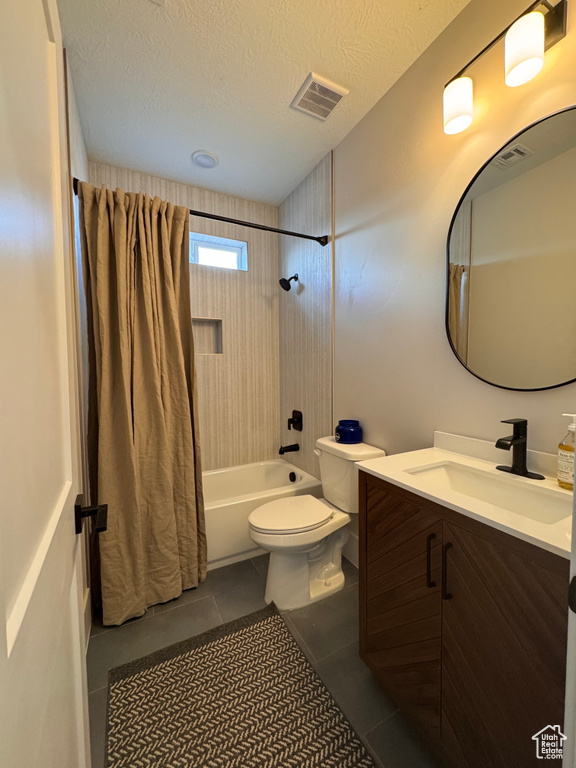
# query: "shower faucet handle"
{"type": "Point", "coordinates": [296, 421]}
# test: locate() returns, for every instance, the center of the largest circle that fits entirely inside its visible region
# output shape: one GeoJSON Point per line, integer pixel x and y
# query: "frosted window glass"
{"type": "Point", "coordinates": [222, 252]}
{"type": "Point", "coordinates": [213, 258]}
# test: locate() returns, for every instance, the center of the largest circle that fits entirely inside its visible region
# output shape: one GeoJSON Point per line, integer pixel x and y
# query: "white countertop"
{"type": "Point", "coordinates": [553, 536]}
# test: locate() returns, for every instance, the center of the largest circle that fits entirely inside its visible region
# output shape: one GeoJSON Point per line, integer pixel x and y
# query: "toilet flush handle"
{"type": "Point", "coordinates": [317, 452]}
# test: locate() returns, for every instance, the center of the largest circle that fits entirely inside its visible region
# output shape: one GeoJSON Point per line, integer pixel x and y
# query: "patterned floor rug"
{"type": "Point", "coordinates": [242, 695]}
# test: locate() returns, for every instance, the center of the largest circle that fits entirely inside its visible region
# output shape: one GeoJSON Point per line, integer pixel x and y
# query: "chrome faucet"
{"type": "Point", "coordinates": [518, 442]}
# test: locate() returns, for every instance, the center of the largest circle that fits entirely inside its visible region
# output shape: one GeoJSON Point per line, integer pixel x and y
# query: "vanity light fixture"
{"type": "Point", "coordinates": [540, 27]}
{"type": "Point", "coordinates": [458, 105]}
{"type": "Point", "coordinates": [524, 49]}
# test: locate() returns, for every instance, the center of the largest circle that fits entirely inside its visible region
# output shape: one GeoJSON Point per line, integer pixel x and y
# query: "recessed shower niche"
{"type": "Point", "coordinates": [207, 335]}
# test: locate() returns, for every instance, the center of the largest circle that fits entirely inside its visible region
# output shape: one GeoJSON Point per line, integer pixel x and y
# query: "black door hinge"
{"type": "Point", "coordinates": [80, 512]}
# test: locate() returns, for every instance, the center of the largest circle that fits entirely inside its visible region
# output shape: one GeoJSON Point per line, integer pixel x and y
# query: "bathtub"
{"type": "Point", "coordinates": [231, 494]}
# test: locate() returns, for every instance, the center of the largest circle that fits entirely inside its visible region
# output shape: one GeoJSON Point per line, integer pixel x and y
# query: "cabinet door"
{"type": "Point", "coordinates": [401, 611]}
{"type": "Point", "coordinates": [503, 650]}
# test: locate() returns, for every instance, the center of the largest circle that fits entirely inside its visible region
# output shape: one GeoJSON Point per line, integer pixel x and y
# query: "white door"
{"type": "Point", "coordinates": [569, 760]}
{"type": "Point", "coordinates": [43, 703]}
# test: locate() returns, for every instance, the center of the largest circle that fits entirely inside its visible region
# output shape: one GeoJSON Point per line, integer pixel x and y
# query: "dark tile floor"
{"type": "Point", "coordinates": [327, 632]}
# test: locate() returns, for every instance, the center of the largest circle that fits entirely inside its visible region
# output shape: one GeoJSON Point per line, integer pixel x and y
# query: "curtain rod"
{"type": "Point", "coordinates": [323, 240]}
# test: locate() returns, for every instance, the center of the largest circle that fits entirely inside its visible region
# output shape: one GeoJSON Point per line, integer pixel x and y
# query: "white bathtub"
{"type": "Point", "coordinates": [231, 494]}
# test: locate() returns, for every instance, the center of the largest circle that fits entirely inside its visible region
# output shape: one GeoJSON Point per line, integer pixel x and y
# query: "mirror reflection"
{"type": "Point", "coordinates": [511, 315]}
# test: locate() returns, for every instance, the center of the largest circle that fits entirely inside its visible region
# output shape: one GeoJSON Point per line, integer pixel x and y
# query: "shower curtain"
{"type": "Point", "coordinates": [143, 438]}
{"type": "Point", "coordinates": [458, 309]}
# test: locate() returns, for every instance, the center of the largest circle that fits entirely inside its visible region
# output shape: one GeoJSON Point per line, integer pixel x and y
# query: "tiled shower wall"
{"type": "Point", "coordinates": [237, 388]}
{"type": "Point", "coordinates": [306, 316]}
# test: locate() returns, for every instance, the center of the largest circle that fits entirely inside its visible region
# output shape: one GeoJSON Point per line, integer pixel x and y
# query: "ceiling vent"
{"type": "Point", "coordinates": [318, 96]}
{"type": "Point", "coordinates": [511, 156]}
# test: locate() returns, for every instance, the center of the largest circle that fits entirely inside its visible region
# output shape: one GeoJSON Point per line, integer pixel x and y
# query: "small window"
{"type": "Point", "coordinates": [218, 252]}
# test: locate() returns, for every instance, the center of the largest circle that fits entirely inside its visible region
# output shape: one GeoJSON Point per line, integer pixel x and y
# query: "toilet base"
{"type": "Point", "coordinates": [296, 579]}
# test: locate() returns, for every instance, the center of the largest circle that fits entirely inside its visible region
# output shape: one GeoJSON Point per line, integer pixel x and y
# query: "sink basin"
{"type": "Point", "coordinates": [512, 494]}
{"type": "Point", "coordinates": [459, 473]}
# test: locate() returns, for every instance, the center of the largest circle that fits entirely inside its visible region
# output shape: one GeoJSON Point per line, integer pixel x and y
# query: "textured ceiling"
{"type": "Point", "coordinates": [156, 80]}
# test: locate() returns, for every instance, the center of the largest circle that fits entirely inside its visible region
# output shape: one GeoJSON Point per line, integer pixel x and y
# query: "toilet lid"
{"type": "Point", "coordinates": [292, 514]}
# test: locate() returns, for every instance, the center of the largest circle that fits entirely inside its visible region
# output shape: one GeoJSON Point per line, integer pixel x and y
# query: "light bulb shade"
{"type": "Point", "coordinates": [524, 49]}
{"type": "Point", "coordinates": [458, 105]}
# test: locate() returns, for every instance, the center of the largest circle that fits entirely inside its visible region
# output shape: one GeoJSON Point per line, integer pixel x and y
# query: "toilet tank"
{"type": "Point", "coordinates": [338, 473]}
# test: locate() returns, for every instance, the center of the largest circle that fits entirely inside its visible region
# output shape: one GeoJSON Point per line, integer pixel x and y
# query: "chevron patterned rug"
{"type": "Point", "coordinates": [242, 695]}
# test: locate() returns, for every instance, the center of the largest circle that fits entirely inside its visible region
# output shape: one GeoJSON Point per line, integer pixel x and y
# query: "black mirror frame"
{"type": "Point", "coordinates": [462, 198]}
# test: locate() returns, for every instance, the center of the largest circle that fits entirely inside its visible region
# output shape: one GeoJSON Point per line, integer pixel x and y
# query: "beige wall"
{"type": "Point", "coordinates": [237, 390]}
{"type": "Point", "coordinates": [398, 179]}
{"type": "Point", "coordinates": [306, 316]}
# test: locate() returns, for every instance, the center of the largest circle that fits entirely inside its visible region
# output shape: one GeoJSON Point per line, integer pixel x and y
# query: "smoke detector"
{"type": "Point", "coordinates": [318, 96]}
{"type": "Point", "coordinates": [512, 155]}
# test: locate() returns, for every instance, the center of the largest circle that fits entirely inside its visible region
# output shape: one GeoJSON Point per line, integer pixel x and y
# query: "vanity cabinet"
{"type": "Point", "coordinates": [465, 626]}
{"type": "Point", "coordinates": [401, 606]}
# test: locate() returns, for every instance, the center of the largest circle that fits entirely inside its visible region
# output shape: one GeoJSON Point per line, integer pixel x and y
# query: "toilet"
{"type": "Point", "coordinates": [305, 535]}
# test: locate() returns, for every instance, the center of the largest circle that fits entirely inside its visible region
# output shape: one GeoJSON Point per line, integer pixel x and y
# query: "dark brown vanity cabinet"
{"type": "Point", "coordinates": [400, 600]}
{"type": "Point", "coordinates": [465, 626]}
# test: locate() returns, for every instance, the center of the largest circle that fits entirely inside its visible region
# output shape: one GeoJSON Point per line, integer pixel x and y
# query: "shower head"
{"type": "Point", "coordinates": [286, 283]}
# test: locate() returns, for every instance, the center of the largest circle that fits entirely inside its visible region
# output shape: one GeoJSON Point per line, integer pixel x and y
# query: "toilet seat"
{"type": "Point", "coordinates": [292, 514]}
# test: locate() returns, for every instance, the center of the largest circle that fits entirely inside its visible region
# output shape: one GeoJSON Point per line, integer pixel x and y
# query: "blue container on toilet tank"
{"type": "Point", "coordinates": [348, 431]}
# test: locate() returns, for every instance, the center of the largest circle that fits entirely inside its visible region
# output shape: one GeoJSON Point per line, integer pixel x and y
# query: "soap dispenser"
{"type": "Point", "coordinates": [566, 456]}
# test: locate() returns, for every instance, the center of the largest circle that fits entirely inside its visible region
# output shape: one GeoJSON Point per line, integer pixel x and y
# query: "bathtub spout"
{"type": "Point", "coordinates": [288, 448]}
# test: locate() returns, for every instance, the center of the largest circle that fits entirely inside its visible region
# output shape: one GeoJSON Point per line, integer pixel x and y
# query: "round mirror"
{"type": "Point", "coordinates": [511, 296]}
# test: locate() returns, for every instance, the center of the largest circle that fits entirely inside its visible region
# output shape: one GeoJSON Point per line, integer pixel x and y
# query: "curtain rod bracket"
{"type": "Point", "coordinates": [323, 240]}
